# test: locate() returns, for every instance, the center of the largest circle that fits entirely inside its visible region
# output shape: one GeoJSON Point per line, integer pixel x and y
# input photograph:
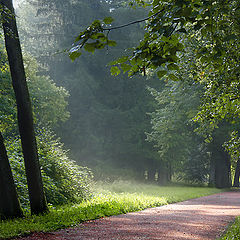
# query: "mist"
{"type": "Point", "coordinates": [137, 128]}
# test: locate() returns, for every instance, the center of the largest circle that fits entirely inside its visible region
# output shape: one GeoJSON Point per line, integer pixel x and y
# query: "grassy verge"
{"type": "Point", "coordinates": [233, 232]}
{"type": "Point", "coordinates": [110, 199]}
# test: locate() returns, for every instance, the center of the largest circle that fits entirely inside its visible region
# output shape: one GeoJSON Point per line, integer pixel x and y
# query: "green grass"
{"type": "Point", "coordinates": [174, 193]}
{"type": "Point", "coordinates": [110, 199]}
{"type": "Point", "coordinates": [233, 232]}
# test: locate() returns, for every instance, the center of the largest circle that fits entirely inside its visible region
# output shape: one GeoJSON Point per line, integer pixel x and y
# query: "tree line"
{"type": "Point", "coordinates": [192, 35]}
{"type": "Point", "coordinates": [182, 126]}
{"type": "Point", "coordinates": [189, 46]}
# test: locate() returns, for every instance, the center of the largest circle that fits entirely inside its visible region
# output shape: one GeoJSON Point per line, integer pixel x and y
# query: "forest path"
{"type": "Point", "coordinates": [202, 218]}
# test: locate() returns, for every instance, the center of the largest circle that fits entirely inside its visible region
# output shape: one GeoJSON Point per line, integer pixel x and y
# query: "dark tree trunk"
{"type": "Point", "coordinates": [151, 175]}
{"type": "Point", "coordinates": [25, 120]}
{"type": "Point", "coordinates": [9, 203]}
{"type": "Point", "coordinates": [237, 174]}
{"type": "Point", "coordinates": [162, 177]}
{"type": "Point", "coordinates": [211, 182]}
{"type": "Point", "coordinates": [169, 177]}
{"type": "Point", "coordinates": [163, 174]}
{"type": "Point", "coordinates": [222, 169]}
{"type": "Point", "coordinates": [220, 165]}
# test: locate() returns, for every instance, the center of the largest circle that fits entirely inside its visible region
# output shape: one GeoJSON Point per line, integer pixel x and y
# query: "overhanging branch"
{"type": "Point", "coordinates": [134, 22]}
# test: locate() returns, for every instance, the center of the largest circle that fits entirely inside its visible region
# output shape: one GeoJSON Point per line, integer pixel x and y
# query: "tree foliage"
{"type": "Point", "coordinates": [173, 131]}
{"type": "Point", "coordinates": [63, 179]}
{"type": "Point", "coordinates": [196, 42]}
{"type": "Point", "coordinates": [213, 26]}
{"type": "Point", "coordinates": [108, 119]}
{"type": "Point", "coordinates": [49, 101]}
{"type": "Point", "coordinates": [167, 22]}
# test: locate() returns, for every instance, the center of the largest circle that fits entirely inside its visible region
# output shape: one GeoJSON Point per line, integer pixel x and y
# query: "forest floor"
{"type": "Point", "coordinates": [202, 218]}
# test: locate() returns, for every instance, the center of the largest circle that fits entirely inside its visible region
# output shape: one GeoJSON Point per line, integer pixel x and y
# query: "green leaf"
{"type": "Point", "coordinates": [119, 60]}
{"type": "Point", "coordinates": [96, 24]}
{"type": "Point", "coordinates": [125, 67]}
{"type": "Point", "coordinates": [79, 37]}
{"type": "Point", "coordinates": [173, 77]}
{"type": "Point", "coordinates": [90, 47]}
{"type": "Point", "coordinates": [173, 66]}
{"type": "Point", "coordinates": [161, 73]}
{"type": "Point", "coordinates": [115, 71]}
{"type": "Point", "coordinates": [74, 55]}
{"type": "Point", "coordinates": [108, 20]}
{"type": "Point", "coordinates": [122, 59]}
{"type": "Point", "coordinates": [99, 36]}
{"type": "Point", "coordinates": [111, 43]}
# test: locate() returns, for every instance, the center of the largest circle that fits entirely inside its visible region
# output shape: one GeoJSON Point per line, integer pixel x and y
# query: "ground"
{"type": "Point", "coordinates": [204, 218]}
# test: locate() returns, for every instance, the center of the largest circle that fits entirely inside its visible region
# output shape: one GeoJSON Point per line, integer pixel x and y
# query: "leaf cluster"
{"type": "Point", "coordinates": [168, 21]}
{"type": "Point", "coordinates": [92, 38]}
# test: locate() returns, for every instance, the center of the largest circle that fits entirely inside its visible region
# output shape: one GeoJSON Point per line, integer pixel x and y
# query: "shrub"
{"type": "Point", "coordinates": [63, 179]}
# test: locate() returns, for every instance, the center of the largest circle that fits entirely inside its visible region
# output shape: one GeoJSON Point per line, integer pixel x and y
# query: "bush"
{"type": "Point", "coordinates": [63, 179]}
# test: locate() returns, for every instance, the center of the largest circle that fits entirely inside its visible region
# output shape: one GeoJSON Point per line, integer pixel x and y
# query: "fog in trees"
{"type": "Point", "coordinates": [120, 127]}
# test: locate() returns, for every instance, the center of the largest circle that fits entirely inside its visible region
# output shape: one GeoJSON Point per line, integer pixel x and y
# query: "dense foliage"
{"type": "Point", "coordinates": [174, 40]}
{"type": "Point", "coordinates": [108, 115]}
{"type": "Point", "coordinates": [217, 52]}
{"type": "Point", "coordinates": [49, 101]}
{"type": "Point", "coordinates": [173, 131]}
{"type": "Point", "coordinates": [63, 179]}
{"type": "Point", "coordinates": [170, 28]}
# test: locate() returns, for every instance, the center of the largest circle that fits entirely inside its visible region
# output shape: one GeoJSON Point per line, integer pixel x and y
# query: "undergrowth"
{"type": "Point", "coordinates": [109, 199]}
{"type": "Point", "coordinates": [233, 232]}
{"type": "Point", "coordinates": [63, 179]}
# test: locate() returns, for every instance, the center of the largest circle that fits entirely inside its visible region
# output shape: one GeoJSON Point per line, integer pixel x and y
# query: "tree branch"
{"type": "Point", "coordinates": [131, 23]}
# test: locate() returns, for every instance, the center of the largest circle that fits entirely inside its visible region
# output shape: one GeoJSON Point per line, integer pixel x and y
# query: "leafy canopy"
{"type": "Point", "coordinates": [213, 24]}
{"type": "Point", "coordinates": [167, 21]}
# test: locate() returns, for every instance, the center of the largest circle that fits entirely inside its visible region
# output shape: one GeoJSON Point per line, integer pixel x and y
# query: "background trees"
{"type": "Point", "coordinates": [215, 56]}
{"type": "Point", "coordinates": [108, 122]}
{"type": "Point", "coordinates": [63, 179]}
{"type": "Point", "coordinates": [108, 119]}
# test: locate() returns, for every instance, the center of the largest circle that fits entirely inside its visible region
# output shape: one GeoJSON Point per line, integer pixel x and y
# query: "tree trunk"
{"type": "Point", "coordinates": [151, 175]}
{"type": "Point", "coordinates": [237, 174]}
{"type": "Point", "coordinates": [163, 174]}
{"type": "Point", "coordinates": [9, 203]}
{"type": "Point", "coordinates": [25, 120]}
{"type": "Point", "coordinates": [222, 169]}
{"type": "Point", "coordinates": [211, 182]}
{"type": "Point", "coordinates": [169, 167]}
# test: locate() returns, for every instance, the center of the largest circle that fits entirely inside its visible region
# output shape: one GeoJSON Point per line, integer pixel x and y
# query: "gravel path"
{"type": "Point", "coordinates": [203, 218]}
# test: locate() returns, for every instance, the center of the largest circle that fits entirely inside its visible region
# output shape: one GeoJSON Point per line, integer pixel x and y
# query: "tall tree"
{"type": "Point", "coordinates": [9, 203]}
{"type": "Point", "coordinates": [24, 109]}
{"type": "Point", "coordinates": [182, 151]}
{"type": "Point", "coordinates": [237, 174]}
{"type": "Point", "coordinates": [220, 165]}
